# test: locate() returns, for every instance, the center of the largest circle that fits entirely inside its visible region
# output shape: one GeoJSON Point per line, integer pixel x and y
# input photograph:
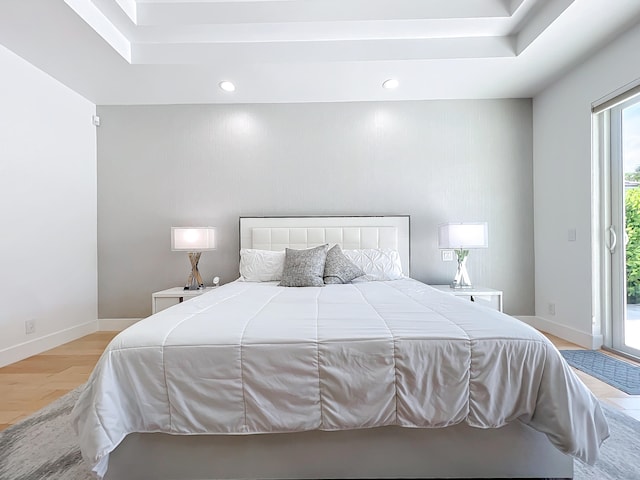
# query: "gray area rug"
{"type": "Point", "coordinates": [44, 447]}
{"type": "Point", "coordinates": [617, 373]}
{"type": "Point", "coordinates": [620, 453]}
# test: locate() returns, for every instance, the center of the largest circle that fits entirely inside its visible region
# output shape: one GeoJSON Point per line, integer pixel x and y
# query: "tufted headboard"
{"type": "Point", "coordinates": [278, 233]}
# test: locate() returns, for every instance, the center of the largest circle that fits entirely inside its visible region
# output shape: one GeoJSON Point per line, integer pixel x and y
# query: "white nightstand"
{"type": "Point", "coordinates": [173, 296]}
{"type": "Point", "coordinates": [482, 295]}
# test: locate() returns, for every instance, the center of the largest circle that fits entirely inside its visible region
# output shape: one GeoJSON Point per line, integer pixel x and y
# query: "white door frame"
{"type": "Point", "coordinates": [610, 251]}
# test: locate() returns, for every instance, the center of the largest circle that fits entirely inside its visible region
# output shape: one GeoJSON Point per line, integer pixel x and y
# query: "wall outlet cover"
{"type": "Point", "coordinates": [447, 255]}
{"type": "Point", "coordinates": [30, 327]}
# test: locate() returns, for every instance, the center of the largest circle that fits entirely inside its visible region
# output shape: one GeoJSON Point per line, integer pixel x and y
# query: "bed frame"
{"type": "Point", "coordinates": [513, 451]}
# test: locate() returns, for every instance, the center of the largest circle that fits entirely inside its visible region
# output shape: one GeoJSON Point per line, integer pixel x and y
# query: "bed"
{"type": "Point", "coordinates": [371, 379]}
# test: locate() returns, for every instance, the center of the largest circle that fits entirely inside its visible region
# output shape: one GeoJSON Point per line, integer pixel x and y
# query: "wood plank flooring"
{"type": "Point", "coordinates": [29, 385]}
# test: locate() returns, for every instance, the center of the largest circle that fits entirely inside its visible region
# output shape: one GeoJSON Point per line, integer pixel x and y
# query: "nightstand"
{"type": "Point", "coordinates": [173, 296]}
{"type": "Point", "coordinates": [482, 295]}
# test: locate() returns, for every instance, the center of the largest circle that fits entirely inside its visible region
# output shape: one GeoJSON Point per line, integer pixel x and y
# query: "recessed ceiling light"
{"type": "Point", "coordinates": [227, 86]}
{"type": "Point", "coordinates": [390, 84]}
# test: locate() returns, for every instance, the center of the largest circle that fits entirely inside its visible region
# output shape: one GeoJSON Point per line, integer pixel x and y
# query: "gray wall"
{"type": "Point", "coordinates": [438, 161]}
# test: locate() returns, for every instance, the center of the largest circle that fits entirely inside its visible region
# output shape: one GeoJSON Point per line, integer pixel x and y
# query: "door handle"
{"type": "Point", "coordinates": [614, 239]}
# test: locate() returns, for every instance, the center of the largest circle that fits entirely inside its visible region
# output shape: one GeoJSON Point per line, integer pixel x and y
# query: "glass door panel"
{"type": "Point", "coordinates": [625, 175]}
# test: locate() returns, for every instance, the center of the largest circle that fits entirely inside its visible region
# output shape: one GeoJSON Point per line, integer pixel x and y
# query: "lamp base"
{"type": "Point", "coordinates": [461, 279]}
{"type": "Point", "coordinates": [194, 282]}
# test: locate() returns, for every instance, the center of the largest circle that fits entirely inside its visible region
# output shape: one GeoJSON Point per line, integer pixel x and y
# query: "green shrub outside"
{"type": "Point", "coordinates": [632, 211]}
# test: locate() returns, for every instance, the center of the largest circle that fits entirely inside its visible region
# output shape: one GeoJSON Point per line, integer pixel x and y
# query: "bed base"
{"type": "Point", "coordinates": [513, 451]}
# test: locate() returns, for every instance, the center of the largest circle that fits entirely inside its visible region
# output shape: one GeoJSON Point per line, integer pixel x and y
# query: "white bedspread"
{"type": "Point", "coordinates": [256, 358]}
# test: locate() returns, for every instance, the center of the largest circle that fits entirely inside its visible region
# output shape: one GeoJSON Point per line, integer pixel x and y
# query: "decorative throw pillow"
{"type": "Point", "coordinates": [304, 268]}
{"type": "Point", "coordinates": [338, 268]}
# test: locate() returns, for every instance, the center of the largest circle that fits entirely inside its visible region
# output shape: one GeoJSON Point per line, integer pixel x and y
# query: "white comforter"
{"type": "Point", "coordinates": [256, 358]}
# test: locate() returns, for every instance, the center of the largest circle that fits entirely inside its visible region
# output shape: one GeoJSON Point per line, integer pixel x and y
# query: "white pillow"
{"type": "Point", "coordinates": [261, 265]}
{"type": "Point", "coordinates": [378, 264]}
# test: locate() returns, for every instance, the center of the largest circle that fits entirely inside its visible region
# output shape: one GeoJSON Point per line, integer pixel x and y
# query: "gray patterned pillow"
{"type": "Point", "coordinates": [304, 268]}
{"type": "Point", "coordinates": [338, 268]}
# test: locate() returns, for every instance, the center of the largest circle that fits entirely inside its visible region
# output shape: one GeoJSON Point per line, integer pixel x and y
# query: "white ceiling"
{"type": "Point", "coordinates": [177, 51]}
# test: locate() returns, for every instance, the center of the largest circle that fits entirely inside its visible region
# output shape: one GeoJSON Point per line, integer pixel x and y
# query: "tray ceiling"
{"type": "Point", "coordinates": [178, 51]}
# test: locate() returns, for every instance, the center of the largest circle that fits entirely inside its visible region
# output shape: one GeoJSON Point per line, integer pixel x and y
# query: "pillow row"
{"type": "Point", "coordinates": [317, 266]}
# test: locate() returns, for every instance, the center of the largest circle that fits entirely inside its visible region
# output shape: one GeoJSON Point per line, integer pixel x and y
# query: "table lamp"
{"type": "Point", "coordinates": [193, 240]}
{"type": "Point", "coordinates": [461, 237]}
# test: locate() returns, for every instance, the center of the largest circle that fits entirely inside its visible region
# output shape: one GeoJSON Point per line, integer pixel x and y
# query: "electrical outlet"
{"type": "Point", "coordinates": [552, 309]}
{"type": "Point", "coordinates": [447, 255]}
{"type": "Point", "coordinates": [30, 327]}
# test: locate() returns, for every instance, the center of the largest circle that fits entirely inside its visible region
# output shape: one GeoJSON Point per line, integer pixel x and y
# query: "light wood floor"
{"type": "Point", "coordinates": [29, 385]}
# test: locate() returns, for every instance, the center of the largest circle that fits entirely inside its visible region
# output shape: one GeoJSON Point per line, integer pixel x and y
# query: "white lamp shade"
{"type": "Point", "coordinates": [193, 239]}
{"type": "Point", "coordinates": [463, 235]}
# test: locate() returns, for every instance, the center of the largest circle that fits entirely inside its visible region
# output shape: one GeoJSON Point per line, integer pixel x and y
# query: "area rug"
{"type": "Point", "coordinates": [617, 373]}
{"type": "Point", "coordinates": [620, 454]}
{"type": "Point", "coordinates": [44, 447]}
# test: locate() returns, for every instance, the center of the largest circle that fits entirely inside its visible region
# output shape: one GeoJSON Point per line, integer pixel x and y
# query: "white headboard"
{"type": "Point", "coordinates": [278, 233]}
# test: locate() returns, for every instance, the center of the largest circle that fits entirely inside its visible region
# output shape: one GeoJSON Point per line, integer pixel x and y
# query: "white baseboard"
{"type": "Point", "coordinates": [586, 340]}
{"type": "Point", "coordinates": [47, 342]}
{"type": "Point", "coordinates": [115, 324]}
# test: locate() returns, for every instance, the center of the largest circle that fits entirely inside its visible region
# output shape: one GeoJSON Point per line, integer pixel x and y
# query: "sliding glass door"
{"type": "Point", "coordinates": [624, 233]}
